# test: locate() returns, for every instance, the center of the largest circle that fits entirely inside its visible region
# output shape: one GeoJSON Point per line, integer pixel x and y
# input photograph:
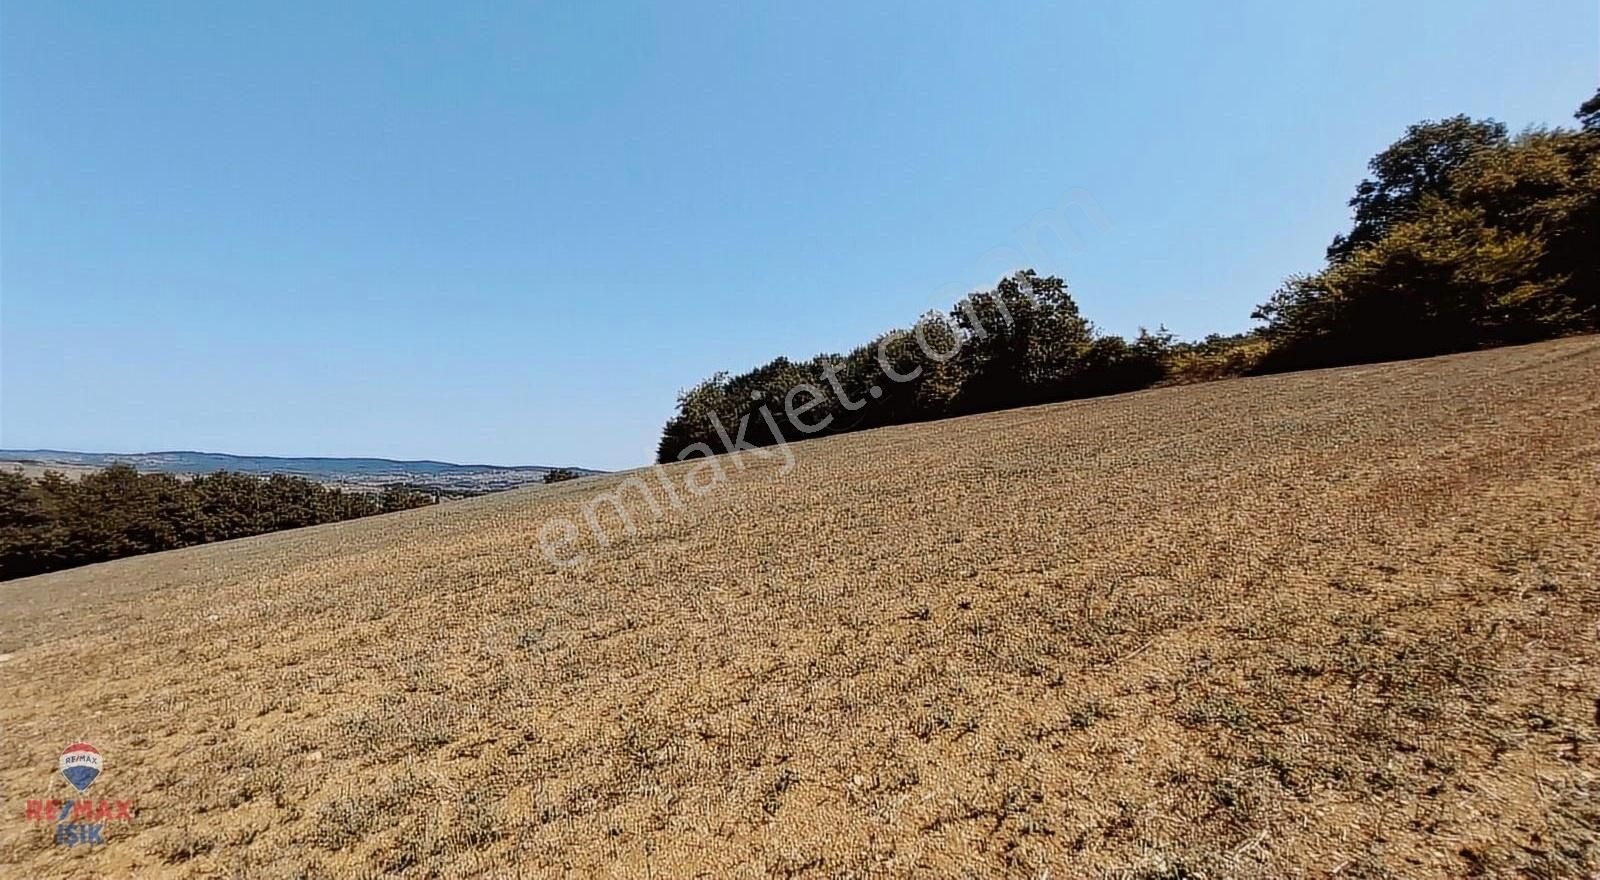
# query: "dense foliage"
{"type": "Point", "coordinates": [53, 522]}
{"type": "Point", "coordinates": [1023, 342]}
{"type": "Point", "coordinates": [1501, 247]}
{"type": "Point", "coordinates": [1463, 237]}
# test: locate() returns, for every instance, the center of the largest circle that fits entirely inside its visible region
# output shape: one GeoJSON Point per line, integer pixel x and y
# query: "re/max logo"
{"type": "Point", "coordinates": [80, 821]}
{"type": "Point", "coordinates": [80, 811]}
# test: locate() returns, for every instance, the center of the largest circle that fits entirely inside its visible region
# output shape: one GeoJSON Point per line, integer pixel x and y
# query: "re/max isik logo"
{"type": "Point", "coordinates": [80, 820]}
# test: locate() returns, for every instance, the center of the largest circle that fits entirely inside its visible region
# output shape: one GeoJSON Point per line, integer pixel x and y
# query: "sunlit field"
{"type": "Point", "coordinates": [1336, 623]}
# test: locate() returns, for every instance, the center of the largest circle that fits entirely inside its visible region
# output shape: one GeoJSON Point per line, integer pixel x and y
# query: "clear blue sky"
{"type": "Point", "coordinates": [512, 232]}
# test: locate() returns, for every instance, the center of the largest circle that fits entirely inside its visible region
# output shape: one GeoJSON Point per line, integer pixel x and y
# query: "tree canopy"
{"type": "Point", "coordinates": [53, 522]}
{"type": "Point", "coordinates": [1461, 237]}
{"type": "Point", "coordinates": [1412, 168]}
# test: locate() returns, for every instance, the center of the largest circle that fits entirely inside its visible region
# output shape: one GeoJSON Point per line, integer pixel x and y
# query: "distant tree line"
{"type": "Point", "coordinates": [1463, 237]}
{"type": "Point", "coordinates": [53, 522]}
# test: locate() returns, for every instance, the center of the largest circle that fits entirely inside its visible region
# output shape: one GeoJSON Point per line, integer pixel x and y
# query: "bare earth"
{"type": "Point", "coordinates": [1340, 623]}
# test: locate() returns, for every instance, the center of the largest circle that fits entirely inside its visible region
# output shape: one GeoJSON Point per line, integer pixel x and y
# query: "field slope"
{"type": "Point", "coordinates": [1339, 623]}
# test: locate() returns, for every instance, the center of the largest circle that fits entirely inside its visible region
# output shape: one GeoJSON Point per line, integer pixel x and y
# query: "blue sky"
{"type": "Point", "coordinates": [511, 233]}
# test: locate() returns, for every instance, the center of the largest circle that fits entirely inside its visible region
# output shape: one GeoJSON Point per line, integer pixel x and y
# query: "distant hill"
{"type": "Point", "coordinates": [360, 473]}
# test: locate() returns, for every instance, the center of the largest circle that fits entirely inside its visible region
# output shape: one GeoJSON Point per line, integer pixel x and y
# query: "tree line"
{"type": "Point", "coordinates": [53, 522]}
{"type": "Point", "coordinates": [1463, 237]}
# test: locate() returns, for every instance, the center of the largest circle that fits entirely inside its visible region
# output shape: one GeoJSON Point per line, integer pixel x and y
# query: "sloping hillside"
{"type": "Point", "coordinates": [1339, 623]}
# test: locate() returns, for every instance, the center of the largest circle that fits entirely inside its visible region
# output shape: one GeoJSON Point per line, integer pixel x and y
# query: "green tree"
{"type": "Point", "coordinates": [1588, 114]}
{"type": "Point", "coordinates": [30, 539]}
{"type": "Point", "coordinates": [1023, 342]}
{"type": "Point", "coordinates": [54, 522]}
{"type": "Point", "coordinates": [1417, 165]}
{"type": "Point", "coordinates": [397, 496]}
{"type": "Point", "coordinates": [1508, 252]}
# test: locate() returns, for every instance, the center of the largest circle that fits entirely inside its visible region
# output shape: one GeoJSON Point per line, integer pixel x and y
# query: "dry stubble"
{"type": "Point", "coordinates": [1330, 624]}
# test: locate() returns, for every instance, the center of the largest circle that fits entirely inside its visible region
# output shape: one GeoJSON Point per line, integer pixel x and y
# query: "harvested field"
{"type": "Point", "coordinates": [1339, 623]}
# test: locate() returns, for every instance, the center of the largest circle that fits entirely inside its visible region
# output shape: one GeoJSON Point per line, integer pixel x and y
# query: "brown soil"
{"type": "Point", "coordinates": [1332, 624]}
